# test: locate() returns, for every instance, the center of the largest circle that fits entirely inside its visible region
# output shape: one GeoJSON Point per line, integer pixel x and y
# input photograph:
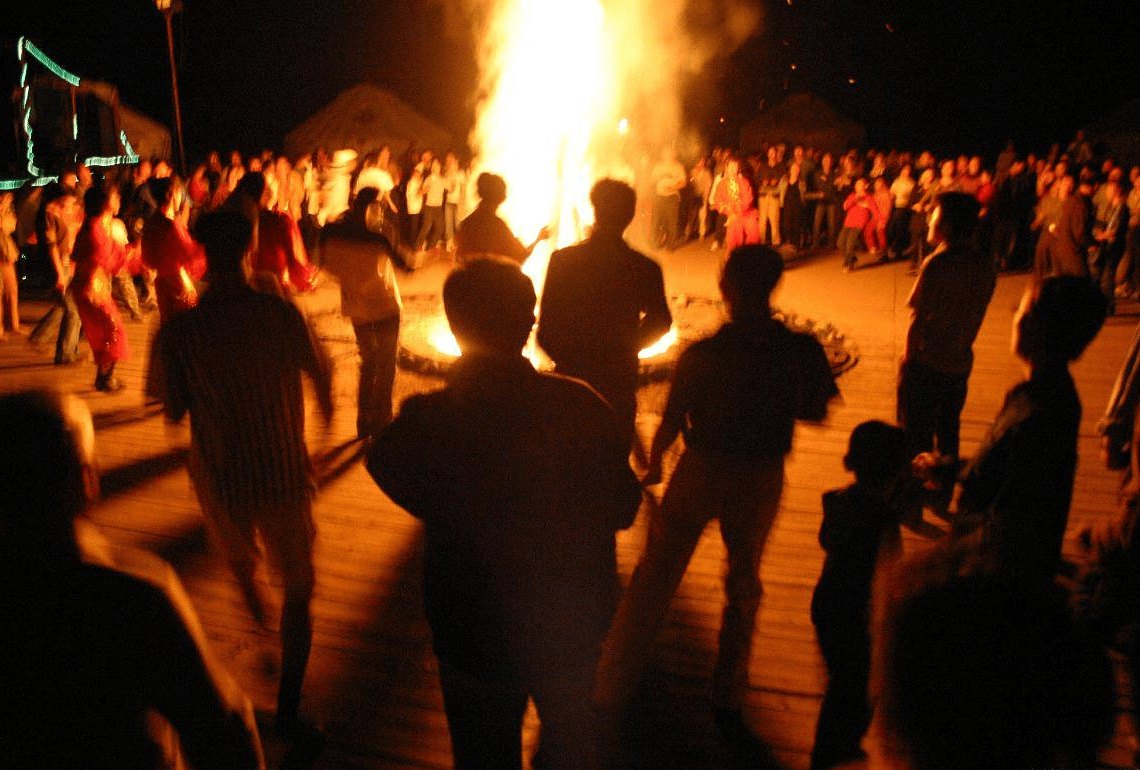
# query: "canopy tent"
{"type": "Point", "coordinates": [365, 118]}
{"type": "Point", "coordinates": [1117, 135]}
{"type": "Point", "coordinates": [149, 138]}
{"type": "Point", "coordinates": [802, 119]}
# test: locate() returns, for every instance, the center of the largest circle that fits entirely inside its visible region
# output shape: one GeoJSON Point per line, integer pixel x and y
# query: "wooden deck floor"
{"type": "Point", "coordinates": [372, 677]}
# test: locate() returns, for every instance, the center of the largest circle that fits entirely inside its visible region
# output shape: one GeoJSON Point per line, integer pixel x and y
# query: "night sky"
{"type": "Point", "coordinates": [950, 76]}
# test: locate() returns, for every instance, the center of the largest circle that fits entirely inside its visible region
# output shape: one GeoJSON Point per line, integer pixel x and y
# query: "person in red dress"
{"type": "Point", "coordinates": [279, 253]}
{"type": "Point", "coordinates": [97, 256]}
{"type": "Point", "coordinates": [169, 250]}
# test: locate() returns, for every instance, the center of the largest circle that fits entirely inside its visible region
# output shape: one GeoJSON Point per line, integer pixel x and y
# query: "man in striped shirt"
{"type": "Point", "coordinates": [235, 362]}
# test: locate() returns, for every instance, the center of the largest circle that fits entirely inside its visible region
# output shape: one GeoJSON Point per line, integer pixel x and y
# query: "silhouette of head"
{"type": "Point", "coordinates": [364, 198]}
{"type": "Point", "coordinates": [47, 474]}
{"type": "Point", "coordinates": [748, 278]}
{"type": "Point", "coordinates": [614, 204]}
{"type": "Point", "coordinates": [226, 235]}
{"type": "Point", "coordinates": [490, 306]}
{"type": "Point", "coordinates": [492, 189]}
{"type": "Point", "coordinates": [877, 452]}
{"type": "Point", "coordinates": [955, 217]}
{"type": "Point", "coordinates": [1057, 319]}
{"type": "Point", "coordinates": [984, 667]}
{"type": "Point", "coordinates": [252, 186]}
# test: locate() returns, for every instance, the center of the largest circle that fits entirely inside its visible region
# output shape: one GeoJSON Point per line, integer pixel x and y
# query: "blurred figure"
{"type": "Point", "coordinates": [98, 255]}
{"type": "Point", "coordinates": [669, 179]}
{"type": "Point", "coordinates": [985, 667]}
{"type": "Point", "coordinates": [603, 303]}
{"type": "Point", "coordinates": [9, 255]}
{"type": "Point", "coordinates": [734, 199]}
{"type": "Point", "coordinates": [235, 363]}
{"type": "Point", "coordinates": [279, 258]}
{"type": "Point", "coordinates": [520, 578]}
{"type": "Point", "coordinates": [168, 249]}
{"type": "Point", "coordinates": [370, 298]}
{"type": "Point", "coordinates": [57, 223]}
{"type": "Point", "coordinates": [105, 664]}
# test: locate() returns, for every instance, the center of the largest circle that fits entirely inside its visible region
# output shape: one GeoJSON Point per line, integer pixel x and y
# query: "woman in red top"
{"type": "Point", "coordinates": [167, 248]}
{"type": "Point", "coordinates": [736, 201]}
{"type": "Point", "coordinates": [98, 255]}
{"type": "Point", "coordinates": [279, 251]}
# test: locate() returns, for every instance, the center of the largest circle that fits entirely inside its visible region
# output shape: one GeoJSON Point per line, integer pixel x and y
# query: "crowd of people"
{"type": "Point", "coordinates": [522, 478]}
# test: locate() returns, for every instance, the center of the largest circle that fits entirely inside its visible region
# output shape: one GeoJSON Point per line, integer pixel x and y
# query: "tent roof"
{"type": "Point", "coordinates": [149, 138]}
{"type": "Point", "coordinates": [364, 118]}
{"type": "Point", "coordinates": [804, 119]}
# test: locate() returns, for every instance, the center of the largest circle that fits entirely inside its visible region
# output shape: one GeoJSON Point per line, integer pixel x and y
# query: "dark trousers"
{"type": "Point", "coordinates": [377, 343]}
{"type": "Point", "coordinates": [824, 224]}
{"type": "Point", "coordinates": [485, 716]}
{"type": "Point", "coordinates": [898, 231]}
{"type": "Point", "coordinates": [845, 712]}
{"type": "Point", "coordinates": [930, 407]}
{"type": "Point", "coordinates": [848, 242]}
{"type": "Point", "coordinates": [63, 316]}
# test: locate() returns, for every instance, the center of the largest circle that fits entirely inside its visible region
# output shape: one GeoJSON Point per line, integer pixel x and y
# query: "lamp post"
{"type": "Point", "coordinates": [168, 8]}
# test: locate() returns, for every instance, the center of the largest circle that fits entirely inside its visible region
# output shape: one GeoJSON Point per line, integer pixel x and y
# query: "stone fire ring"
{"type": "Point", "coordinates": [693, 317]}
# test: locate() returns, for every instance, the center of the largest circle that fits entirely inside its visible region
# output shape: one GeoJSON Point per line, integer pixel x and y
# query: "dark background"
{"type": "Point", "coordinates": [947, 76]}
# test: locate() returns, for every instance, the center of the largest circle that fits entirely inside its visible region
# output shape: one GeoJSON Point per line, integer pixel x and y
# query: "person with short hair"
{"type": "Point", "coordinates": [105, 664]}
{"type": "Point", "coordinates": [234, 363]}
{"type": "Point", "coordinates": [1018, 487]}
{"type": "Point", "coordinates": [860, 535]}
{"type": "Point", "coordinates": [602, 303]}
{"type": "Point", "coordinates": [737, 396]}
{"type": "Point", "coordinates": [948, 303]}
{"type": "Point", "coordinates": [483, 233]}
{"type": "Point", "coordinates": [521, 480]}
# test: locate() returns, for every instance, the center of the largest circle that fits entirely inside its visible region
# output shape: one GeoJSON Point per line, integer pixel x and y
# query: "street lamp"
{"type": "Point", "coordinates": [168, 8]}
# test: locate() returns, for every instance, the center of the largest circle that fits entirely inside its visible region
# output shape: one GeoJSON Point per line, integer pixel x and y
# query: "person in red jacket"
{"type": "Point", "coordinates": [859, 208]}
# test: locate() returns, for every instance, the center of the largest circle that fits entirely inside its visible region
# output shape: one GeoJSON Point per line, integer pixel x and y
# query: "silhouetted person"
{"type": "Point", "coordinates": [985, 668]}
{"type": "Point", "coordinates": [860, 533]}
{"type": "Point", "coordinates": [370, 298]}
{"type": "Point", "coordinates": [1019, 485]}
{"type": "Point", "coordinates": [948, 303]}
{"type": "Point", "coordinates": [521, 480]}
{"type": "Point", "coordinates": [736, 395]}
{"type": "Point", "coordinates": [234, 363]}
{"type": "Point", "coordinates": [602, 303]}
{"type": "Point", "coordinates": [98, 640]}
{"type": "Point", "coordinates": [483, 233]}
